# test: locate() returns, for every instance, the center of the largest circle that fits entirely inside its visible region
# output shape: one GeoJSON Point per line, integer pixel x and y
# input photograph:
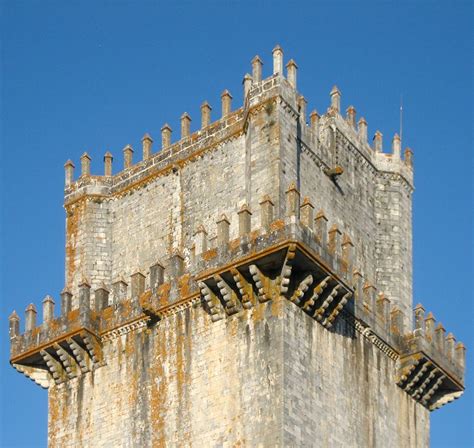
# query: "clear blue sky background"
{"type": "Point", "coordinates": [96, 75]}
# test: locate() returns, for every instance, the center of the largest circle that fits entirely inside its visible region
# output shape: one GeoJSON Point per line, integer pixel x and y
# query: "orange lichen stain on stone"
{"type": "Point", "coordinates": [73, 218]}
{"type": "Point", "coordinates": [58, 415]}
{"type": "Point", "coordinates": [254, 235]}
{"type": "Point", "coordinates": [210, 254]}
{"type": "Point", "coordinates": [145, 297]}
{"type": "Point", "coordinates": [119, 350]}
{"type": "Point", "coordinates": [164, 294]}
{"type": "Point", "coordinates": [54, 421]}
{"type": "Point", "coordinates": [277, 225]}
{"type": "Point", "coordinates": [233, 327]}
{"type": "Point", "coordinates": [277, 306]}
{"type": "Point", "coordinates": [259, 311]}
{"type": "Point", "coordinates": [130, 346]}
{"type": "Point", "coordinates": [146, 301]}
{"type": "Point", "coordinates": [108, 313]}
{"type": "Point", "coordinates": [54, 325]}
{"type": "Point", "coordinates": [73, 315]}
{"type": "Point", "coordinates": [234, 244]}
{"type": "Point", "coordinates": [183, 285]}
{"type": "Point", "coordinates": [126, 310]}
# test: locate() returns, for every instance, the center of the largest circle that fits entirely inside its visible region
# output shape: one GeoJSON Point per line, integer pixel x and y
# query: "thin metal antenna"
{"type": "Point", "coordinates": [401, 119]}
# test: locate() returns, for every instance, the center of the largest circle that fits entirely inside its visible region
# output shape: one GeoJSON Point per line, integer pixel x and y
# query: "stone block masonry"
{"type": "Point", "coordinates": [249, 284]}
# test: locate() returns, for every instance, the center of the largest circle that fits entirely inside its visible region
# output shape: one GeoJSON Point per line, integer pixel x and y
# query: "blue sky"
{"type": "Point", "coordinates": [95, 76]}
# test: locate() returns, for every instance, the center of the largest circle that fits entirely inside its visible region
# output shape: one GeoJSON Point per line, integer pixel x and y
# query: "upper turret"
{"type": "Point", "coordinates": [355, 131]}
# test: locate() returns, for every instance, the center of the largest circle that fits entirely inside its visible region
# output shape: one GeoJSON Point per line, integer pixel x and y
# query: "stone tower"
{"type": "Point", "coordinates": [249, 284]}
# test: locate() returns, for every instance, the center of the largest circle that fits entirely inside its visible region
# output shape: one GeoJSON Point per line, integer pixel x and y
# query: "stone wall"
{"type": "Point", "coordinates": [186, 381]}
{"type": "Point", "coordinates": [338, 390]}
{"type": "Point", "coordinates": [269, 376]}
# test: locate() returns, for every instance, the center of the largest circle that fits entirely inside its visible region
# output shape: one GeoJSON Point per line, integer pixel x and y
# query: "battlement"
{"type": "Point", "coordinates": [298, 256]}
{"type": "Point", "coordinates": [320, 132]}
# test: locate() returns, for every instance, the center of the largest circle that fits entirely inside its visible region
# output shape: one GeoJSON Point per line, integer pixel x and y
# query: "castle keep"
{"type": "Point", "coordinates": [249, 284]}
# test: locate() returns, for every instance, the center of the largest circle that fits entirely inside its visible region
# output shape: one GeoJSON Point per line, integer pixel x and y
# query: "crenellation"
{"type": "Point", "coordinates": [245, 216]}
{"type": "Point", "coordinates": [378, 141]}
{"type": "Point", "coordinates": [185, 125]}
{"type": "Point", "coordinates": [48, 309]}
{"type": "Point", "coordinates": [127, 157]}
{"type": "Point", "coordinates": [397, 328]}
{"type": "Point", "coordinates": [334, 238]}
{"type": "Point", "coordinates": [383, 310]}
{"type": "Point", "coordinates": [226, 100]}
{"type": "Point", "coordinates": [167, 143]}
{"type": "Point", "coordinates": [320, 226]}
{"type": "Point", "coordinates": [30, 317]}
{"type": "Point", "coordinates": [291, 70]}
{"type": "Point", "coordinates": [307, 213]}
{"type": "Point", "coordinates": [396, 150]}
{"type": "Point", "coordinates": [362, 130]}
{"type": "Point", "coordinates": [157, 275]}
{"type": "Point", "coordinates": [223, 225]}
{"type": "Point", "coordinates": [84, 294]}
{"type": "Point", "coordinates": [66, 301]}
{"type": "Point", "coordinates": [147, 144]}
{"type": "Point", "coordinates": [277, 60]}
{"type": "Point", "coordinates": [440, 338]}
{"type": "Point", "coordinates": [419, 318]}
{"type": "Point", "coordinates": [429, 326]}
{"type": "Point", "coordinates": [200, 240]}
{"type": "Point", "coordinates": [335, 95]}
{"type": "Point", "coordinates": [314, 121]}
{"type": "Point", "coordinates": [137, 284]}
{"type": "Point", "coordinates": [461, 355]}
{"type": "Point", "coordinates": [85, 165]}
{"type": "Point", "coordinates": [358, 286]}
{"type": "Point", "coordinates": [302, 103]}
{"type": "Point", "coordinates": [69, 173]}
{"type": "Point", "coordinates": [205, 114]}
{"type": "Point", "coordinates": [177, 263]}
{"type": "Point", "coordinates": [370, 292]}
{"type": "Point", "coordinates": [266, 211]}
{"type": "Point", "coordinates": [409, 157]}
{"type": "Point", "coordinates": [450, 346]}
{"type": "Point", "coordinates": [119, 289]}
{"type": "Point", "coordinates": [108, 159]}
{"type": "Point", "coordinates": [292, 202]}
{"type": "Point", "coordinates": [101, 297]}
{"type": "Point", "coordinates": [347, 255]}
{"type": "Point", "coordinates": [247, 83]}
{"type": "Point", "coordinates": [351, 116]}
{"type": "Point", "coordinates": [257, 69]}
{"type": "Point", "coordinates": [14, 325]}
{"type": "Point", "coordinates": [166, 136]}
